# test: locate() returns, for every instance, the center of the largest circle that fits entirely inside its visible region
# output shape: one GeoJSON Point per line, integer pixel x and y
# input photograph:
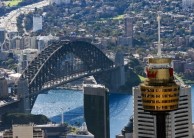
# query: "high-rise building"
{"type": "Point", "coordinates": [159, 92]}
{"type": "Point", "coordinates": [160, 97]}
{"type": "Point", "coordinates": [128, 26]}
{"type": "Point", "coordinates": [24, 62]}
{"type": "Point", "coordinates": [2, 35]}
{"type": "Point", "coordinates": [33, 42]}
{"type": "Point", "coordinates": [24, 131]}
{"type": "Point", "coordinates": [127, 131]}
{"type": "Point", "coordinates": [26, 56]}
{"type": "Point", "coordinates": [27, 39]}
{"type": "Point", "coordinates": [19, 42]}
{"type": "Point", "coordinates": [41, 45]}
{"type": "Point", "coordinates": [3, 88]}
{"type": "Point", "coordinates": [44, 41]}
{"type": "Point", "coordinates": [127, 39]}
{"type": "Point", "coordinates": [96, 110]}
{"type": "Point", "coordinates": [178, 66]}
{"type": "Point", "coordinates": [178, 122]}
{"type": "Point", "coordinates": [37, 22]}
{"type": "Point", "coordinates": [16, 43]}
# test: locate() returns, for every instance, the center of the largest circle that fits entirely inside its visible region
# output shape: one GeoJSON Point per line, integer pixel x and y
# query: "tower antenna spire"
{"type": "Point", "coordinates": [159, 45]}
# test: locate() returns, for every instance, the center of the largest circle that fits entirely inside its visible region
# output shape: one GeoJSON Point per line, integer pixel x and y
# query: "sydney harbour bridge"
{"type": "Point", "coordinates": [60, 63]}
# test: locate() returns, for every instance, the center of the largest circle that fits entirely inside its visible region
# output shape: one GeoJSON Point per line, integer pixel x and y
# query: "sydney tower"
{"type": "Point", "coordinates": [160, 93]}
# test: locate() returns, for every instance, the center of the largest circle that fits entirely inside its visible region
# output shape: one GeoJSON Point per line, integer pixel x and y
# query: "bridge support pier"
{"type": "Point", "coordinates": [118, 77]}
{"type": "Point", "coordinates": [112, 79]}
{"type": "Point", "coordinates": [23, 95]}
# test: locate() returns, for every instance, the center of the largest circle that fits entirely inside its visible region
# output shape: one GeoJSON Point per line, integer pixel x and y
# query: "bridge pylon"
{"type": "Point", "coordinates": [118, 78]}
{"type": "Point", "coordinates": [23, 95]}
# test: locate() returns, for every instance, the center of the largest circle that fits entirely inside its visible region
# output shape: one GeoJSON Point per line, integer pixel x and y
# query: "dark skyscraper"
{"type": "Point", "coordinates": [96, 110]}
{"type": "Point", "coordinates": [3, 88]}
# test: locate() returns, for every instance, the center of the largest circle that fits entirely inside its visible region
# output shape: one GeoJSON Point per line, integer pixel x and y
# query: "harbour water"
{"type": "Point", "coordinates": [70, 103]}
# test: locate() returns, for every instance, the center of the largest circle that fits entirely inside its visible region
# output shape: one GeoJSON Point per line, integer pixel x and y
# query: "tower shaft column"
{"type": "Point", "coordinates": [161, 125]}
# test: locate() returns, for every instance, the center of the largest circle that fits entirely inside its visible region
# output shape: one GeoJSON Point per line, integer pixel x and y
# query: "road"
{"type": "Point", "coordinates": [9, 21]}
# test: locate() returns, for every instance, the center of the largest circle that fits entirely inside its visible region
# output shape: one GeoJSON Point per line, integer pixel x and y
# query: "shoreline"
{"type": "Point", "coordinates": [79, 88]}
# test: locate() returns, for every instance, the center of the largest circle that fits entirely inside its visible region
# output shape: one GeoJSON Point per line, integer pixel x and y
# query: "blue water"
{"type": "Point", "coordinates": [71, 104]}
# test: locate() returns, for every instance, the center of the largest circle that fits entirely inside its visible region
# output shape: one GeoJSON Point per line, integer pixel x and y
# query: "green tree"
{"type": "Point", "coordinates": [133, 62]}
{"type": "Point", "coordinates": [139, 70]}
{"type": "Point", "coordinates": [28, 22]}
{"type": "Point", "coordinates": [22, 118]}
{"type": "Point", "coordinates": [10, 61]}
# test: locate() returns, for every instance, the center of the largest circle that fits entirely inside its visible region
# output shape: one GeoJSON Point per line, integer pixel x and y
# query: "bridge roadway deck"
{"type": "Point", "coordinates": [71, 78]}
{"type": "Point", "coordinates": [6, 106]}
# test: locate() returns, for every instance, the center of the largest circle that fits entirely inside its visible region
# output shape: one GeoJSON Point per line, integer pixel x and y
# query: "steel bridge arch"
{"type": "Point", "coordinates": [41, 68]}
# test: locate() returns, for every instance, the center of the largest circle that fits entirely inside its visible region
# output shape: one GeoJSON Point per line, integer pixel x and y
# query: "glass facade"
{"type": "Point", "coordinates": [96, 113]}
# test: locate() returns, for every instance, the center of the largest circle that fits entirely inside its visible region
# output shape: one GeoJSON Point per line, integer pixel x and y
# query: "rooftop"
{"type": "Point", "coordinates": [94, 85]}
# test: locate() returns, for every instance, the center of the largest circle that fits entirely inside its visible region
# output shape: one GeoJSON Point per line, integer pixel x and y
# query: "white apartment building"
{"type": "Point", "coordinates": [178, 122]}
{"type": "Point", "coordinates": [37, 23]}
{"type": "Point", "coordinates": [23, 131]}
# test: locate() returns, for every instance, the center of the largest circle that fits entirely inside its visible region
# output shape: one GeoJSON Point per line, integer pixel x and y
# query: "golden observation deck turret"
{"type": "Point", "coordinates": [159, 91]}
